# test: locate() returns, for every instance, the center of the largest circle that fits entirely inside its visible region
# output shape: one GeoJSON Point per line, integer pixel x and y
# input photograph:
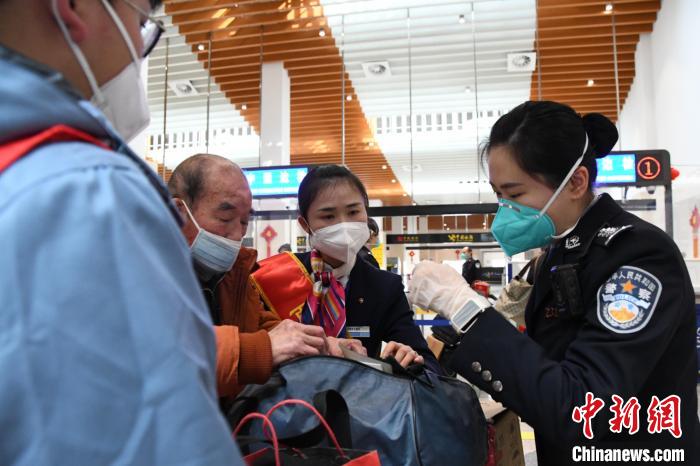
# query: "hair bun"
{"type": "Point", "coordinates": [602, 133]}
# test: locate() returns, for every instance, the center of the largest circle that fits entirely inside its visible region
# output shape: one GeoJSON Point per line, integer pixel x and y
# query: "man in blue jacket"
{"type": "Point", "coordinates": [106, 345]}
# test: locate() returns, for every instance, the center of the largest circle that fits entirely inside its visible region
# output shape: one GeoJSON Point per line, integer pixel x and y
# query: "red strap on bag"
{"type": "Point", "coordinates": [15, 150]}
{"type": "Point", "coordinates": [323, 422]}
{"type": "Point", "coordinates": [273, 432]}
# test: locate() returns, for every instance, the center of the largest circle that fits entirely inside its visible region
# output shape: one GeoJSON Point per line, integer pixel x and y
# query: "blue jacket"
{"type": "Point", "coordinates": [107, 352]}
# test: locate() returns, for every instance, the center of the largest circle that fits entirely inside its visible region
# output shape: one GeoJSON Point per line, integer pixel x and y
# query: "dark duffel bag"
{"type": "Point", "coordinates": [411, 417]}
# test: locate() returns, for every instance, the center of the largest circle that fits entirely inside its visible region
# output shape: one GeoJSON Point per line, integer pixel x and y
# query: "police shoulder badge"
{"type": "Point", "coordinates": [627, 300]}
{"type": "Point", "coordinates": [606, 234]}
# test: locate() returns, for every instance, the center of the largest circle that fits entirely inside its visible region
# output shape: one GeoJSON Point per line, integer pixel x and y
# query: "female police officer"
{"type": "Point", "coordinates": [610, 322]}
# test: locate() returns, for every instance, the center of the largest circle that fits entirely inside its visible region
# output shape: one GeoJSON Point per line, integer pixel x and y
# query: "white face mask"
{"type": "Point", "coordinates": [341, 241]}
{"type": "Point", "coordinates": [123, 98]}
{"type": "Point", "coordinates": [212, 254]}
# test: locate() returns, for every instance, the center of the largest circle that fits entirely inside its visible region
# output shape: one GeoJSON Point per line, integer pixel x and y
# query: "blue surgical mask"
{"type": "Point", "coordinates": [519, 228]}
{"type": "Point", "coordinates": [212, 254]}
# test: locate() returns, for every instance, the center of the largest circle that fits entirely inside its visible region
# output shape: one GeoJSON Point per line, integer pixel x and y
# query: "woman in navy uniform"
{"type": "Point", "coordinates": [331, 286]}
{"type": "Point", "coordinates": [610, 321]}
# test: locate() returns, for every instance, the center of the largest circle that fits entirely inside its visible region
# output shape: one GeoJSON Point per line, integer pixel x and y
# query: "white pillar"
{"type": "Point", "coordinates": [274, 141]}
{"type": "Point", "coordinates": [275, 114]}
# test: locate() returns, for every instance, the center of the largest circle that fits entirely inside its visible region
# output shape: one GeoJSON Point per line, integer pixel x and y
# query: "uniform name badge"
{"type": "Point", "coordinates": [358, 332]}
{"type": "Point", "coordinates": [627, 300]}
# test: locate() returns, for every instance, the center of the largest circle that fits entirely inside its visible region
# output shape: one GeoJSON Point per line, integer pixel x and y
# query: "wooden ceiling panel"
{"type": "Point", "coordinates": [243, 34]}
{"type": "Point", "coordinates": [575, 44]}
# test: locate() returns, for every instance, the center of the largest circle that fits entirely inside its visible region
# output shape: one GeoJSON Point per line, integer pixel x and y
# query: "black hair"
{"type": "Point", "coordinates": [546, 138]}
{"type": "Point", "coordinates": [323, 176]}
{"type": "Point", "coordinates": [372, 225]}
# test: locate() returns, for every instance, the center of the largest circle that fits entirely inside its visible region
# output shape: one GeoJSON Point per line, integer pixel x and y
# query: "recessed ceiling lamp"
{"type": "Point", "coordinates": [348, 98]}
{"type": "Point", "coordinates": [393, 180]}
{"type": "Point", "coordinates": [383, 167]}
{"type": "Point", "coordinates": [468, 89]}
{"type": "Point", "coordinates": [182, 87]}
{"type": "Point", "coordinates": [416, 168]}
{"type": "Point", "coordinates": [405, 195]}
{"type": "Point", "coordinates": [608, 8]}
{"type": "Point", "coordinates": [590, 83]}
{"type": "Point", "coordinates": [521, 61]}
{"type": "Point", "coordinates": [201, 47]}
{"type": "Point", "coordinates": [244, 107]}
{"type": "Point", "coordinates": [462, 19]}
{"type": "Point", "coordinates": [322, 32]}
{"type": "Point", "coordinates": [376, 69]}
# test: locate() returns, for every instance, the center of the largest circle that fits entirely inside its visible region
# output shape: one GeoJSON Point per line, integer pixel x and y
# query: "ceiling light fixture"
{"type": "Point", "coordinates": [322, 32]}
{"type": "Point", "coordinates": [201, 47]}
{"type": "Point", "coordinates": [383, 167]}
{"type": "Point", "coordinates": [244, 107]}
{"type": "Point", "coordinates": [393, 180]}
{"type": "Point", "coordinates": [348, 98]}
{"type": "Point", "coordinates": [376, 69]}
{"type": "Point", "coordinates": [182, 87]}
{"type": "Point", "coordinates": [590, 83]}
{"type": "Point", "coordinates": [462, 19]}
{"type": "Point", "coordinates": [521, 61]}
{"type": "Point", "coordinates": [608, 8]}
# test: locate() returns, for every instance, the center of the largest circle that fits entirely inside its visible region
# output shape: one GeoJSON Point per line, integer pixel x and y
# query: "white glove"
{"type": "Point", "coordinates": [439, 288]}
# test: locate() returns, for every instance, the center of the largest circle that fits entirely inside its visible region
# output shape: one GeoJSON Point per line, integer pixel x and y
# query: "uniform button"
{"type": "Point", "coordinates": [497, 386]}
{"type": "Point", "coordinates": [486, 375]}
{"type": "Point", "coordinates": [476, 367]}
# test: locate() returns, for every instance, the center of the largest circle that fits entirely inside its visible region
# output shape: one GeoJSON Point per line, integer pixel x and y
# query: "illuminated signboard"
{"type": "Point", "coordinates": [618, 168]}
{"type": "Point", "coordinates": [427, 238]}
{"type": "Point", "coordinates": [634, 168]}
{"type": "Point", "coordinates": [275, 181]}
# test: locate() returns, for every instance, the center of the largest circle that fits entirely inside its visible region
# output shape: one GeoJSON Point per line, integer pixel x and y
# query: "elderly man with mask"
{"type": "Point", "coordinates": [107, 351]}
{"type": "Point", "coordinates": [215, 202]}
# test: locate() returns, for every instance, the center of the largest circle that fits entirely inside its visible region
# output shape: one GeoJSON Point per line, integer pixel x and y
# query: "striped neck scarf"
{"type": "Point", "coordinates": [326, 302]}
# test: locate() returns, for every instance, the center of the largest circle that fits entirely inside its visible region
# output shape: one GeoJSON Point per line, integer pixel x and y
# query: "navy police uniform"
{"type": "Point", "coordinates": [471, 270]}
{"type": "Point", "coordinates": [611, 313]}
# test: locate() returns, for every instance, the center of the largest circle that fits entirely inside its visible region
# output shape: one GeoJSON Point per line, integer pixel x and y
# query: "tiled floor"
{"type": "Point", "coordinates": [529, 442]}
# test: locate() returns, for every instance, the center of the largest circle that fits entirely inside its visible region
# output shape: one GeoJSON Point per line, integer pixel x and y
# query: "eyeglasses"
{"type": "Point", "coordinates": [151, 29]}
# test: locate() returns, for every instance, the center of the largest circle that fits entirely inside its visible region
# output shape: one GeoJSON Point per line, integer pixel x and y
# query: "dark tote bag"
{"type": "Point", "coordinates": [409, 418]}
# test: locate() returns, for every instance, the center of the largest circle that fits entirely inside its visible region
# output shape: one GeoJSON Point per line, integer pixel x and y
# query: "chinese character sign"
{"type": "Point", "coordinates": [662, 415]}
{"type": "Point", "coordinates": [275, 182]}
{"type": "Point", "coordinates": [616, 168]}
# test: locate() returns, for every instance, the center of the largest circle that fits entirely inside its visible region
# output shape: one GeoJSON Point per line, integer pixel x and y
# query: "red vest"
{"type": "Point", "coordinates": [15, 150]}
